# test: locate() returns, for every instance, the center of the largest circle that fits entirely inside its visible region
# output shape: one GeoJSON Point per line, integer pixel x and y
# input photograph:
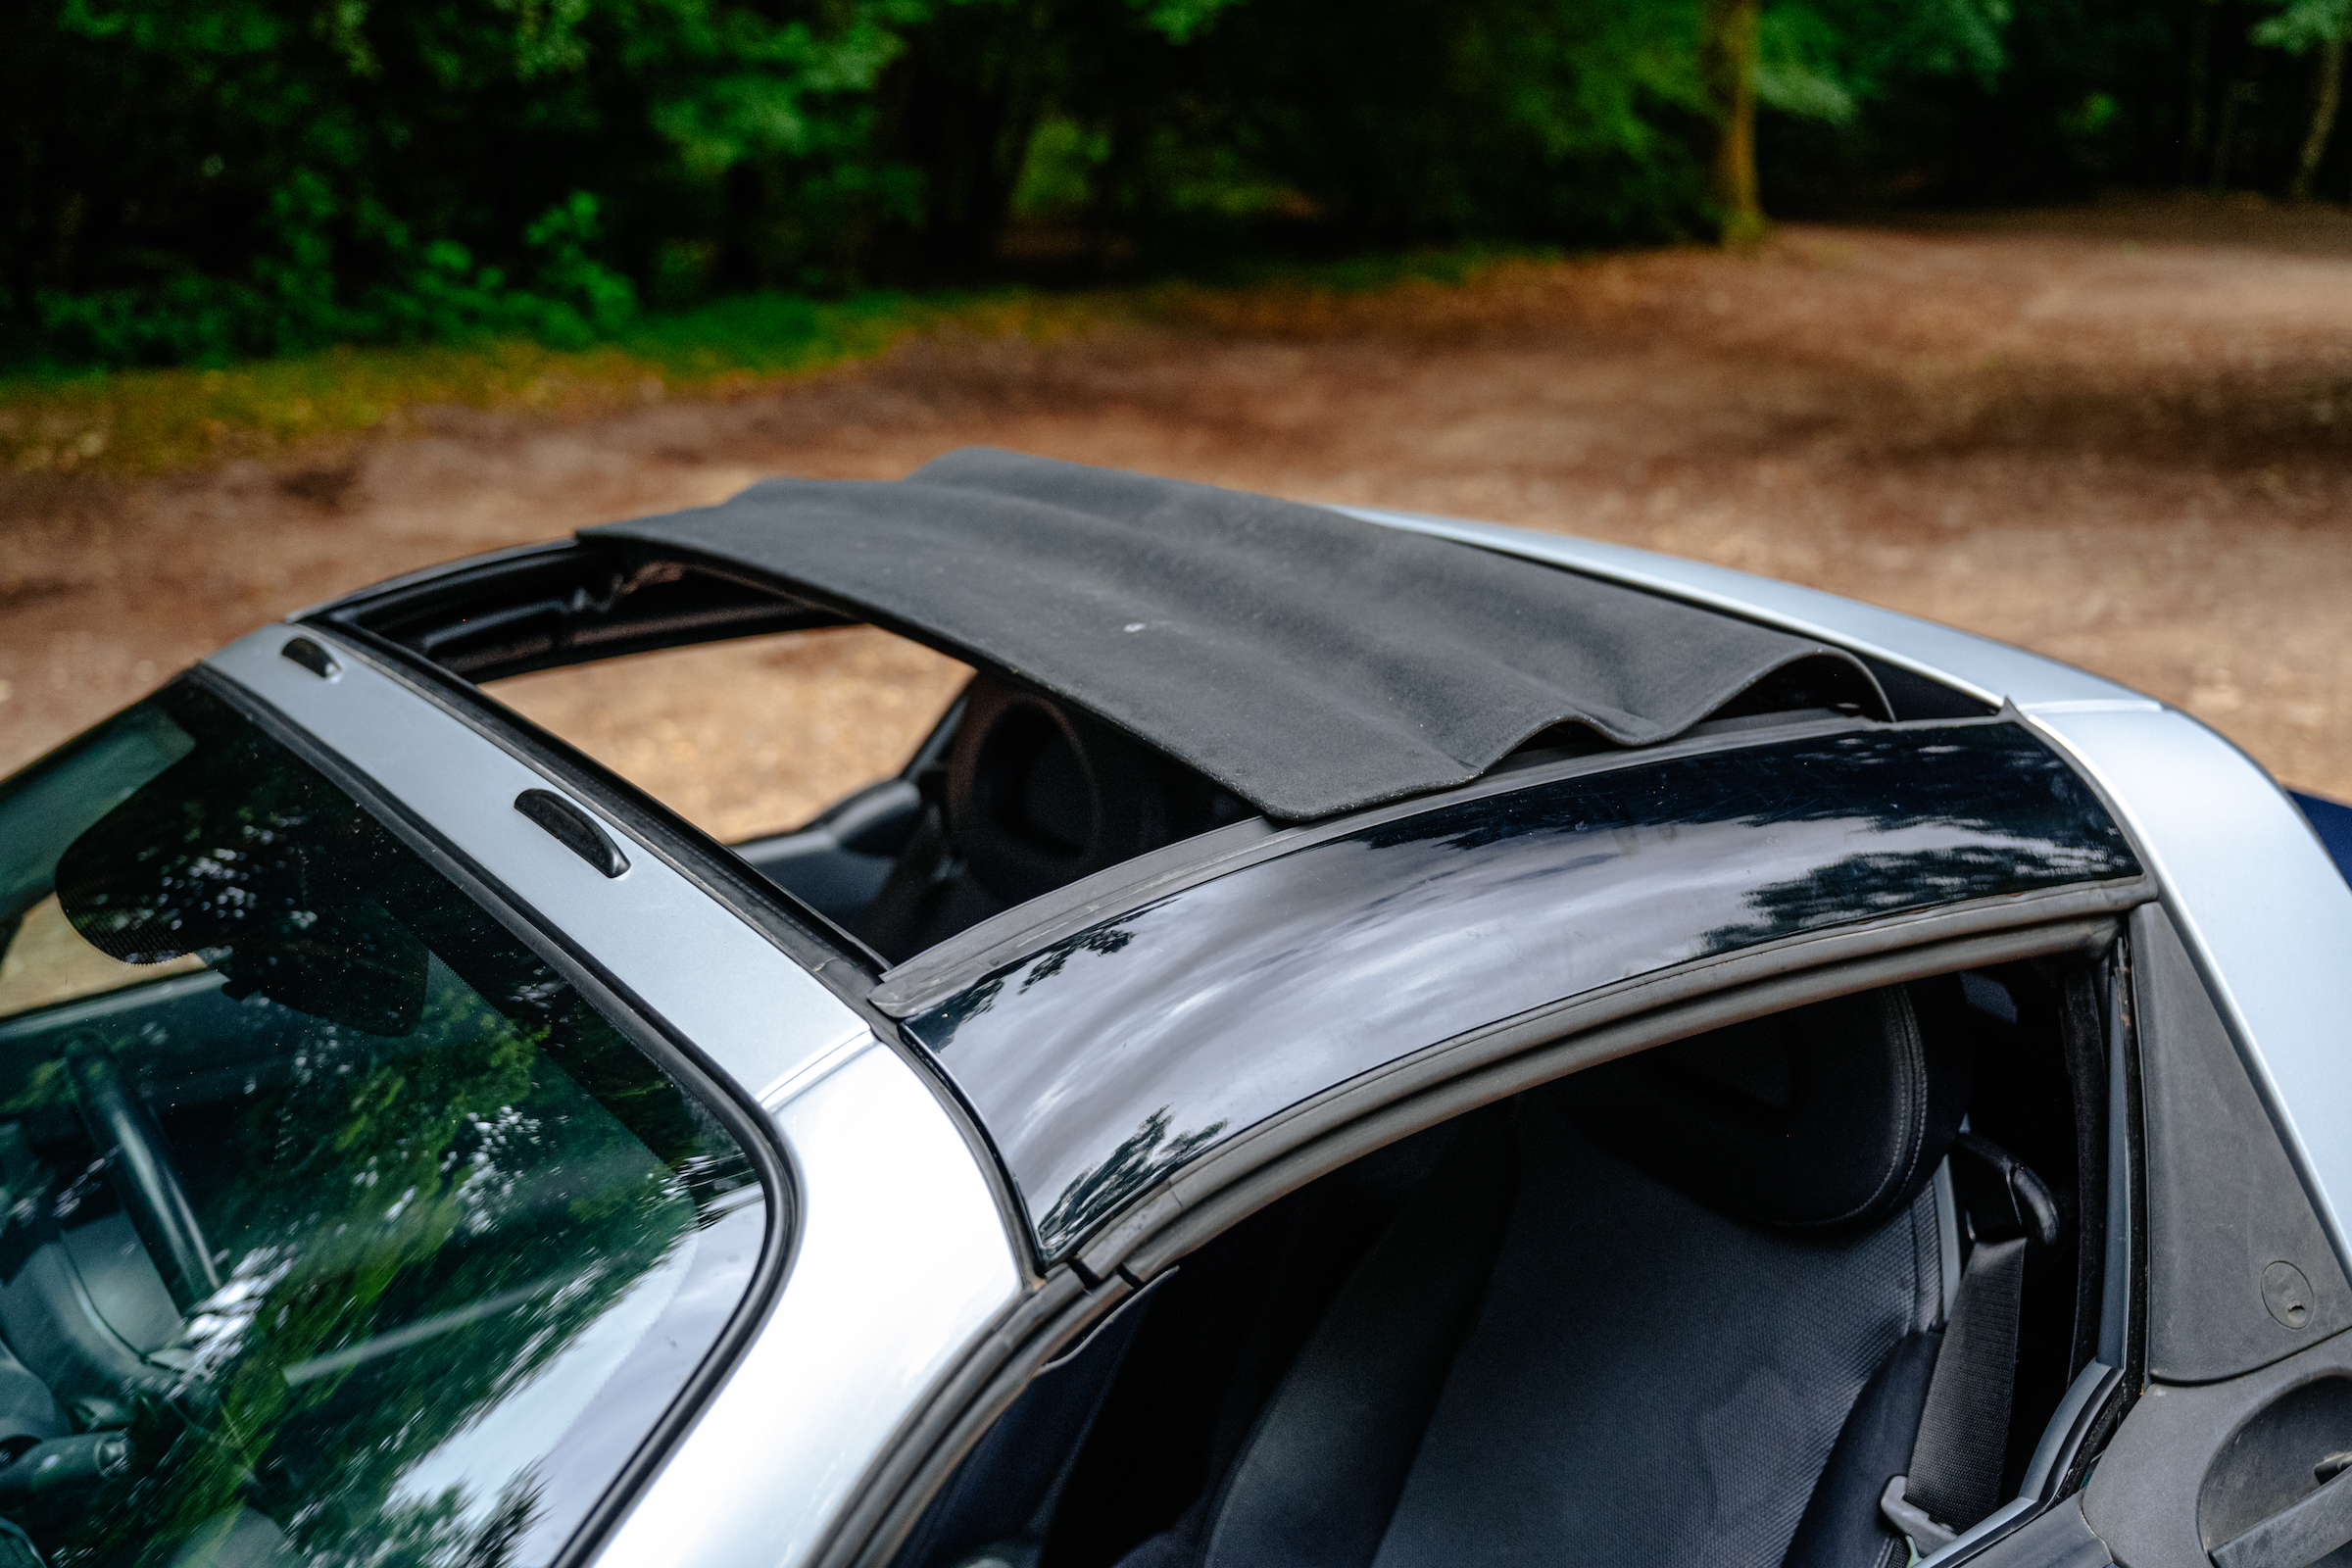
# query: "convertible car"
{"type": "Point", "coordinates": [1357, 1041]}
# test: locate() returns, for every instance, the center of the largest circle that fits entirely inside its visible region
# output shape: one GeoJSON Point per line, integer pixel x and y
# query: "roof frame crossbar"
{"type": "Point", "coordinates": [551, 606]}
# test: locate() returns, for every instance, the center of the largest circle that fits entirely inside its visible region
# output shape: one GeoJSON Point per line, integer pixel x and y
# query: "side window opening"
{"type": "Point", "coordinates": [749, 737]}
{"type": "Point", "coordinates": [1687, 1306]}
{"type": "Point", "coordinates": [885, 785]}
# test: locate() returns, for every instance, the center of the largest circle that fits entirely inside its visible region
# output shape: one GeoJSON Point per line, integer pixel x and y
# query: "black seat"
{"type": "Point", "coordinates": [1677, 1310]}
{"type": "Point", "coordinates": [1033, 794]}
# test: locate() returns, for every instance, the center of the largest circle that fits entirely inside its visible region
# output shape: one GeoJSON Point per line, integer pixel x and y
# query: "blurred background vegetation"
{"type": "Point", "coordinates": [200, 181]}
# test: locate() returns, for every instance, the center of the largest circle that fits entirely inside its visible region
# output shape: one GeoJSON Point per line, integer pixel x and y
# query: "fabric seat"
{"type": "Point", "coordinates": [1677, 1310]}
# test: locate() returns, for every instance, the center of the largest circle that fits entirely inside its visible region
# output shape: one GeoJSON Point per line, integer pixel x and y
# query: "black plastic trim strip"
{"type": "Point", "coordinates": [669, 1048]}
{"type": "Point", "coordinates": [545, 607]}
{"type": "Point", "coordinates": [427, 584]}
{"type": "Point", "coordinates": [1042, 1326]}
{"type": "Point", "coordinates": [2135, 1133]}
{"type": "Point", "coordinates": [942, 971]}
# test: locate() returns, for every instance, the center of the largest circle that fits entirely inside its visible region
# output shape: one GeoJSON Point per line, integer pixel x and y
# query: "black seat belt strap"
{"type": "Point", "coordinates": [1956, 1460]}
{"type": "Point", "coordinates": [1955, 1473]}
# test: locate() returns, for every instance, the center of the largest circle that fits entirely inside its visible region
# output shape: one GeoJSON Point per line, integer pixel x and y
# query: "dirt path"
{"type": "Point", "coordinates": [2123, 442]}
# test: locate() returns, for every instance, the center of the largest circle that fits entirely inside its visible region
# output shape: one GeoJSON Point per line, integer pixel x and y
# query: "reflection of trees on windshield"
{"type": "Point", "coordinates": [442, 1533]}
{"type": "Point", "coordinates": [423, 1167]}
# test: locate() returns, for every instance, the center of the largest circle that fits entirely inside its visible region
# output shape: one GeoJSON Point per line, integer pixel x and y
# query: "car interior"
{"type": "Point", "coordinates": [1011, 796]}
{"type": "Point", "coordinates": [1683, 1307]}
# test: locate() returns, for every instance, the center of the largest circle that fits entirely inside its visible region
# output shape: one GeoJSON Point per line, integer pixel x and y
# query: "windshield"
{"type": "Point", "coordinates": [338, 1227]}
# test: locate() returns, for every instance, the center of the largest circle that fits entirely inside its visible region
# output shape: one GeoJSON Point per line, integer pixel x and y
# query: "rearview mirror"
{"type": "Point", "coordinates": [260, 868]}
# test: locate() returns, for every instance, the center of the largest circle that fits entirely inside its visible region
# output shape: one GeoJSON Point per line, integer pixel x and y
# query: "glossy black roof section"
{"type": "Point", "coordinates": [1311, 662]}
{"type": "Point", "coordinates": [1107, 1058]}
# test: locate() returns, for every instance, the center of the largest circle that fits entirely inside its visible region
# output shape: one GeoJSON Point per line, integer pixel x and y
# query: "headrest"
{"type": "Point", "coordinates": [1836, 1113]}
{"type": "Point", "coordinates": [1040, 794]}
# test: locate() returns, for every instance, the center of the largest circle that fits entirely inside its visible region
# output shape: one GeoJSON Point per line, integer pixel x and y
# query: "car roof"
{"type": "Point", "coordinates": [2196, 810]}
{"type": "Point", "coordinates": [1104, 1060]}
{"type": "Point", "coordinates": [1310, 661]}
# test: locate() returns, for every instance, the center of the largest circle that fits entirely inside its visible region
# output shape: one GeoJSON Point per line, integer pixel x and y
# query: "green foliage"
{"type": "Point", "coordinates": [2088, 95]}
{"type": "Point", "coordinates": [200, 181]}
{"type": "Point", "coordinates": [1823, 59]}
{"type": "Point", "coordinates": [148, 419]}
{"type": "Point", "coordinates": [1381, 122]}
{"type": "Point", "coordinates": [2303, 24]}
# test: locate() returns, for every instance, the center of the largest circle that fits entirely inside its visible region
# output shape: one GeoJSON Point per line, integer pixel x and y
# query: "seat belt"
{"type": "Point", "coordinates": [1955, 1473]}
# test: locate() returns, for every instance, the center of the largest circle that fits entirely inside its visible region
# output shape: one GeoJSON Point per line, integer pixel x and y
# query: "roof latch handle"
{"type": "Point", "coordinates": [572, 828]}
{"type": "Point", "coordinates": [310, 656]}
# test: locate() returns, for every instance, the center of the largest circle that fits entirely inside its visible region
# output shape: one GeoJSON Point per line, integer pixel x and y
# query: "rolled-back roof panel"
{"type": "Point", "coordinates": [1309, 662]}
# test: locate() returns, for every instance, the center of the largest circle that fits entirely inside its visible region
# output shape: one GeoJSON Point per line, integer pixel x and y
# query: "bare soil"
{"type": "Point", "coordinates": [2122, 437]}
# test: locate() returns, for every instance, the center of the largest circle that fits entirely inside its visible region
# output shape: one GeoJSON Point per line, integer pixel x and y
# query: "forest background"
{"type": "Point", "coordinates": [196, 181]}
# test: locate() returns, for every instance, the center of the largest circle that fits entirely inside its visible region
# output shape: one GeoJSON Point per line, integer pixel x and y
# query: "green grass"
{"type": "Point", "coordinates": [146, 421]}
{"type": "Point", "coordinates": [152, 421]}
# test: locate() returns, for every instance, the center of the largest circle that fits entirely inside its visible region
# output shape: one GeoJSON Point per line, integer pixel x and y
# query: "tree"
{"type": "Point", "coordinates": [1727, 68]}
{"type": "Point", "coordinates": [2302, 26]}
{"type": "Point", "coordinates": [1396, 123]}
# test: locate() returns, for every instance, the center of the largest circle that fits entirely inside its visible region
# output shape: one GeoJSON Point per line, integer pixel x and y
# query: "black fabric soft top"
{"type": "Point", "coordinates": [1309, 662]}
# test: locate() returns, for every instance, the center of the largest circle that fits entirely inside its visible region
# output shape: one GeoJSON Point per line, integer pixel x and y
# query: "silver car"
{"type": "Point", "coordinates": [1357, 1041]}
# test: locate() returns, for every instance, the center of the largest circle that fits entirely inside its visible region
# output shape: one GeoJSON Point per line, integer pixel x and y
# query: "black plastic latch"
{"type": "Point", "coordinates": [310, 656]}
{"type": "Point", "coordinates": [572, 828]}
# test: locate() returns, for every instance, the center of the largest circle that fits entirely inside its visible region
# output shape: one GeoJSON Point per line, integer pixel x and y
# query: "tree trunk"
{"type": "Point", "coordinates": [2200, 55]}
{"type": "Point", "coordinates": [2225, 136]}
{"type": "Point", "coordinates": [1727, 68]}
{"type": "Point", "coordinates": [2326, 92]}
{"type": "Point", "coordinates": [959, 105]}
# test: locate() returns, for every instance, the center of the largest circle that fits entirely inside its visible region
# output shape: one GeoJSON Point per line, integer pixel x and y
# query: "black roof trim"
{"type": "Point", "coordinates": [1311, 662]}
{"type": "Point", "coordinates": [941, 971]}
{"type": "Point", "coordinates": [1103, 1060]}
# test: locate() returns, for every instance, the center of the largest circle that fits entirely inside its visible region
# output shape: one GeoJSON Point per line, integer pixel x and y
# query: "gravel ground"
{"type": "Point", "coordinates": [2122, 437]}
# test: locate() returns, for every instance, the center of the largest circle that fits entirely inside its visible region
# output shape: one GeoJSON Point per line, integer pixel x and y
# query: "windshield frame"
{"type": "Point", "coordinates": [643, 1026]}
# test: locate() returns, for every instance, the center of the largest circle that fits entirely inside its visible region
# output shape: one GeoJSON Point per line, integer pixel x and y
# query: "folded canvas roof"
{"type": "Point", "coordinates": [1309, 662]}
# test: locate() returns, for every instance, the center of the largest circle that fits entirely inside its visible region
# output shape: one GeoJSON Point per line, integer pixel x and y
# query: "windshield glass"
{"type": "Point", "coordinates": [338, 1228]}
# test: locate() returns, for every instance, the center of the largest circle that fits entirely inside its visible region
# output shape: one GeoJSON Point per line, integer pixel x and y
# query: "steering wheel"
{"type": "Point", "coordinates": [132, 1146]}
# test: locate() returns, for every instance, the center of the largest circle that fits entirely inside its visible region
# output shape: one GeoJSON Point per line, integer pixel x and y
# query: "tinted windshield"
{"type": "Point", "coordinates": [338, 1227]}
